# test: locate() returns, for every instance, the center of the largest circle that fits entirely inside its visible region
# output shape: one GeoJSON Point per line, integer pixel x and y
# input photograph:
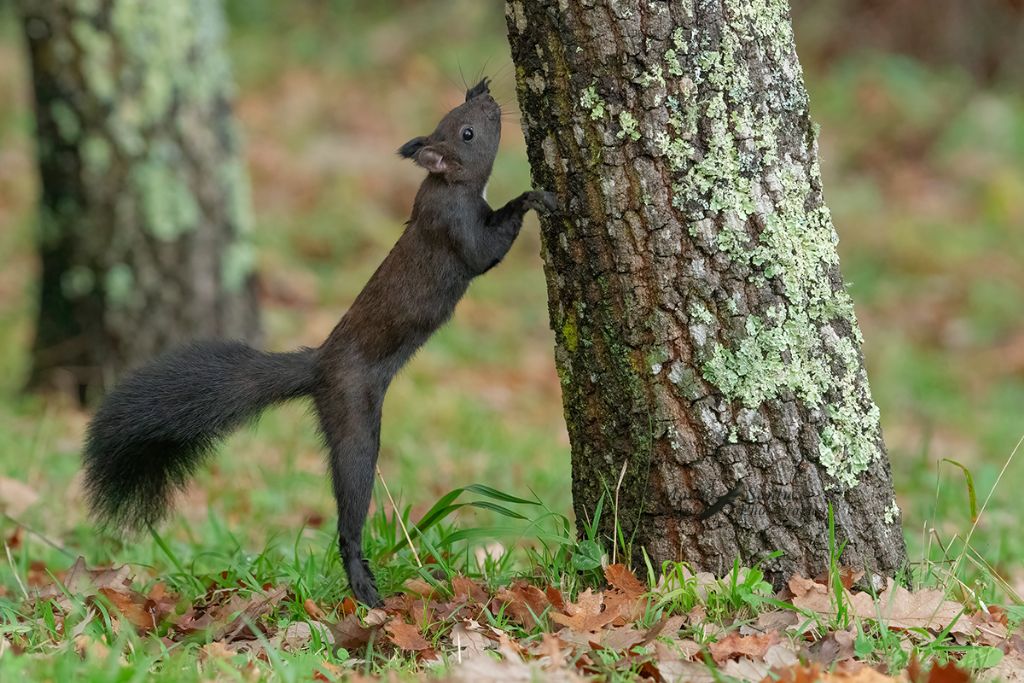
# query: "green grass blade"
{"type": "Point", "coordinates": [971, 495]}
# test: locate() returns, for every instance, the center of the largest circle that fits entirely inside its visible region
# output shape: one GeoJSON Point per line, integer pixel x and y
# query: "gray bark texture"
{"type": "Point", "coordinates": [144, 207]}
{"type": "Point", "coordinates": [705, 341]}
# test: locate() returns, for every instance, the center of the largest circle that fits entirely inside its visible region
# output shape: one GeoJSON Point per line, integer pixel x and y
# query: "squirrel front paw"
{"type": "Point", "coordinates": [542, 201]}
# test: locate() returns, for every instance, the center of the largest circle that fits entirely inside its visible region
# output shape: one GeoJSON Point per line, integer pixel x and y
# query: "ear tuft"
{"type": "Point", "coordinates": [409, 149]}
{"type": "Point", "coordinates": [484, 86]}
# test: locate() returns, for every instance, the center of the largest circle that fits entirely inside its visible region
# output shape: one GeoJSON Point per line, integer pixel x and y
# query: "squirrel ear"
{"type": "Point", "coordinates": [484, 86]}
{"type": "Point", "coordinates": [409, 149]}
{"type": "Point", "coordinates": [431, 159]}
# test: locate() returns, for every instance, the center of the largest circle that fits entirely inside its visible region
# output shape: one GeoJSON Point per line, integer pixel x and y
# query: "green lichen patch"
{"type": "Point", "coordinates": [168, 205]}
{"type": "Point", "coordinates": [630, 126]}
{"type": "Point", "coordinates": [119, 284]}
{"type": "Point", "coordinates": [732, 164]}
{"type": "Point", "coordinates": [592, 102]}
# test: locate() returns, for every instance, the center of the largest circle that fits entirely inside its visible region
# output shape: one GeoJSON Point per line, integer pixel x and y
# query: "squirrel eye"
{"type": "Point", "coordinates": [467, 133]}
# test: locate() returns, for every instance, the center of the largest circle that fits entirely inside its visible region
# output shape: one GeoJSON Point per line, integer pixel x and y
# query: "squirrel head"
{"type": "Point", "coordinates": [463, 146]}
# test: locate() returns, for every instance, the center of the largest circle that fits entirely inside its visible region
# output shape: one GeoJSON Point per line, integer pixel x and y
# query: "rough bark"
{"type": "Point", "coordinates": [705, 339]}
{"type": "Point", "coordinates": [144, 208]}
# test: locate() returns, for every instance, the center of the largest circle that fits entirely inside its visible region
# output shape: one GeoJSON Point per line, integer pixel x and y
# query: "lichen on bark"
{"type": "Point", "coordinates": [704, 333]}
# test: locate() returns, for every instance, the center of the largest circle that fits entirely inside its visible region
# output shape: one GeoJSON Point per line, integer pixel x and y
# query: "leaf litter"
{"type": "Point", "coordinates": [528, 632]}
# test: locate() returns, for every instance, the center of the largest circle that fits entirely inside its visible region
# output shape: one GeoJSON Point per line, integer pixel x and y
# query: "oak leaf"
{"type": "Point", "coordinates": [734, 645]}
{"type": "Point", "coordinates": [587, 614]}
{"type": "Point", "coordinates": [406, 636]}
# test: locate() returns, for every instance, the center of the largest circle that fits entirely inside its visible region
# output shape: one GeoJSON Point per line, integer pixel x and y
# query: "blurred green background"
{"type": "Point", "coordinates": [923, 160]}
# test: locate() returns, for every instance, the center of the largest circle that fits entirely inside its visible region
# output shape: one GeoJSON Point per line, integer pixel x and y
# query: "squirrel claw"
{"type": "Point", "coordinates": [544, 202]}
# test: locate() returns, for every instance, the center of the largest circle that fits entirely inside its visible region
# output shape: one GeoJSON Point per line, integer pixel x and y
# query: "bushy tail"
{"type": "Point", "coordinates": [153, 430]}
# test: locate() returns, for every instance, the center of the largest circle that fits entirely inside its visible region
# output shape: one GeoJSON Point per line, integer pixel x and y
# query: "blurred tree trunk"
{"type": "Point", "coordinates": [706, 344]}
{"type": "Point", "coordinates": [985, 38]}
{"type": "Point", "coordinates": [145, 206]}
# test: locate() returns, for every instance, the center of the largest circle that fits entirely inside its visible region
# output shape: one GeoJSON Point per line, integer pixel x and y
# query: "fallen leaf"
{"type": "Point", "coordinates": [897, 607]}
{"type": "Point", "coordinates": [87, 647]}
{"type": "Point", "coordinates": [81, 581]}
{"type": "Point", "coordinates": [586, 614]}
{"type": "Point", "coordinates": [215, 650]}
{"type": "Point", "coordinates": [418, 587]}
{"type": "Point", "coordinates": [468, 638]}
{"type": "Point", "coordinates": [554, 596]}
{"type": "Point", "coordinates": [734, 645]}
{"type": "Point", "coordinates": [299, 634]}
{"type": "Point", "coordinates": [676, 649]}
{"type": "Point", "coordinates": [746, 669]}
{"type": "Point", "coordinates": [376, 617]}
{"type": "Point", "coordinates": [141, 613]}
{"type": "Point", "coordinates": [668, 626]}
{"type": "Point", "coordinates": [406, 636]}
{"type": "Point", "coordinates": [511, 667]}
{"type": "Point", "coordinates": [349, 633]}
{"type": "Point", "coordinates": [526, 604]}
{"type": "Point", "coordinates": [312, 609]}
{"type": "Point", "coordinates": [466, 588]}
{"type": "Point", "coordinates": [244, 611]}
{"type": "Point", "coordinates": [947, 673]}
{"type": "Point", "coordinates": [622, 577]}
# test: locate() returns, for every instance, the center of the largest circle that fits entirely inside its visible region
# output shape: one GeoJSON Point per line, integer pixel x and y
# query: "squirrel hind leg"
{"type": "Point", "coordinates": [351, 429]}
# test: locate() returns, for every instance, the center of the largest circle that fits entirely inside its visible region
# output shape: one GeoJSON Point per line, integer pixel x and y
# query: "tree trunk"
{"type": "Point", "coordinates": [706, 344]}
{"type": "Point", "coordinates": [144, 210]}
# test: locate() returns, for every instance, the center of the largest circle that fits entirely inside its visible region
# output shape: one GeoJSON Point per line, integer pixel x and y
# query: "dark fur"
{"type": "Point", "coordinates": [153, 430]}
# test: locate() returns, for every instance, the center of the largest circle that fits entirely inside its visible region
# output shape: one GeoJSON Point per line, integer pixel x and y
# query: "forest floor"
{"type": "Point", "coordinates": [922, 172]}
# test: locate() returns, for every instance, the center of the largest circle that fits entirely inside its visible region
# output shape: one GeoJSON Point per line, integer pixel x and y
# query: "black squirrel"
{"type": "Point", "coordinates": [153, 431]}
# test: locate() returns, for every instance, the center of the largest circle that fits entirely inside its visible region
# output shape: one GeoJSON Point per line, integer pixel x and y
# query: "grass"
{"type": "Point", "coordinates": [930, 245]}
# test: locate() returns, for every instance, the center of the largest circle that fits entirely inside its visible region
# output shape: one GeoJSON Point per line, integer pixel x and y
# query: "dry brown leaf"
{"type": "Point", "coordinates": [746, 669]}
{"type": "Point", "coordinates": [622, 577]}
{"type": "Point", "coordinates": [668, 626]}
{"type": "Point", "coordinates": [234, 618]}
{"type": "Point", "coordinates": [553, 648]}
{"type": "Point", "coordinates": [215, 650]}
{"type": "Point", "coordinates": [780, 655]}
{"type": "Point", "coordinates": [16, 496]}
{"type": "Point", "coordinates": [691, 672]}
{"type": "Point", "coordinates": [586, 614]}
{"type": "Point", "coordinates": [312, 609]}
{"type": "Point", "coordinates": [554, 596]}
{"type": "Point", "coordinates": [87, 647]}
{"type": "Point", "coordinates": [525, 604]}
{"type": "Point", "coordinates": [349, 633]}
{"type": "Point", "coordinates": [140, 612]}
{"type": "Point", "coordinates": [897, 607]}
{"type": "Point", "coordinates": [406, 636]}
{"type": "Point", "coordinates": [467, 588]}
{"type": "Point", "coordinates": [376, 617]}
{"type": "Point", "coordinates": [734, 645]}
{"type": "Point", "coordinates": [81, 581]}
{"type": "Point", "coordinates": [469, 639]}
{"type": "Point", "coordinates": [627, 609]}
{"type": "Point", "coordinates": [947, 673]}
{"type": "Point", "coordinates": [800, 586]}
{"type": "Point", "coordinates": [675, 648]}
{"type": "Point", "coordinates": [511, 667]}
{"type": "Point", "coordinates": [299, 634]}
{"type": "Point", "coordinates": [418, 587]}
{"type": "Point", "coordinates": [863, 675]}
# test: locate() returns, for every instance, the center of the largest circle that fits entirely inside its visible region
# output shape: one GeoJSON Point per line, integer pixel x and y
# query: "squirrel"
{"type": "Point", "coordinates": [156, 427]}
